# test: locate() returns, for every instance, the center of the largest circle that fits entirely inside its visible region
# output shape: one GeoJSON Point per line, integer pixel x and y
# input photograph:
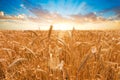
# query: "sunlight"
{"type": "Point", "coordinates": [63, 26]}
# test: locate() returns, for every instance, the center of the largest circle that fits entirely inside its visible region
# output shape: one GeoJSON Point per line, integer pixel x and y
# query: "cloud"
{"type": "Point", "coordinates": [115, 10]}
{"type": "Point", "coordinates": [43, 15]}
{"type": "Point", "coordinates": [19, 17]}
{"type": "Point", "coordinates": [90, 17]}
{"type": "Point", "coordinates": [56, 18]}
{"type": "Point", "coordinates": [1, 13]}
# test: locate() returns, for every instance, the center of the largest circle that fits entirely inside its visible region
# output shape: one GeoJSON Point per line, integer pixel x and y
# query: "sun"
{"type": "Point", "coordinates": [63, 26]}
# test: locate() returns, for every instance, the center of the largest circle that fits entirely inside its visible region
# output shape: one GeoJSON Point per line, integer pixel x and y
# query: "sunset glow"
{"type": "Point", "coordinates": [62, 14]}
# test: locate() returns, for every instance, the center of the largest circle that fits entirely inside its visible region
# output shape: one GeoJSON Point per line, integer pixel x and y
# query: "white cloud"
{"type": "Point", "coordinates": [18, 17]}
{"type": "Point", "coordinates": [1, 13]}
{"type": "Point", "coordinates": [21, 16]}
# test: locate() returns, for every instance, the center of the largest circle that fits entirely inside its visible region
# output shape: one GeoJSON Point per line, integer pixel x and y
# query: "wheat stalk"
{"type": "Point", "coordinates": [87, 56]}
{"type": "Point", "coordinates": [16, 61]}
{"type": "Point", "coordinates": [50, 31]}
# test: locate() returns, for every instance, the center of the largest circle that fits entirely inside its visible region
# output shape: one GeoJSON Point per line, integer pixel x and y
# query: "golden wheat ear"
{"type": "Point", "coordinates": [50, 31]}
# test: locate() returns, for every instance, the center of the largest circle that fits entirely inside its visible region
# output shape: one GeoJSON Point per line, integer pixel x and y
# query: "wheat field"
{"type": "Point", "coordinates": [59, 55]}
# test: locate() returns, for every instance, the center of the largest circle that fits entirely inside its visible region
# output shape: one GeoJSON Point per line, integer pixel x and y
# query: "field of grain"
{"type": "Point", "coordinates": [60, 55]}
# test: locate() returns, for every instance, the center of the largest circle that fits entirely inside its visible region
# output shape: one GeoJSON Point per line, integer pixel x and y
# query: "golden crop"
{"type": "Point", "coordinates": [60, 55]}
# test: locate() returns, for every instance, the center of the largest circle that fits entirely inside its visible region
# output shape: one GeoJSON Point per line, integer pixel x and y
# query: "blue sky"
{"type": "Point", "coordinates": [63, 7]}
{"type": "Point", "coordinates": [55, 11]}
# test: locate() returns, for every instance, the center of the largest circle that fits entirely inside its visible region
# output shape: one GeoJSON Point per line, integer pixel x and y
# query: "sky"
{"type": "Point", "coordinates": [62, 14]}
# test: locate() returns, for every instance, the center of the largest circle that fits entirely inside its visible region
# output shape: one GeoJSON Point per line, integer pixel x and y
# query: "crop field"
{"type": "Point", "coordinates": [59, 55]}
